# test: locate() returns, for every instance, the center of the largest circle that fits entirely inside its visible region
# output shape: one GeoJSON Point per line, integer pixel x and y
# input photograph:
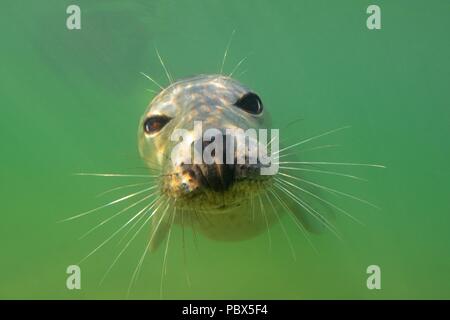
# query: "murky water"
{"type": "Point", "coordinates": [71, 101]}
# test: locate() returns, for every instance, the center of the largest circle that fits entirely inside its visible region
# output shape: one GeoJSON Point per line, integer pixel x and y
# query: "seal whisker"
{"type": "Point", "coordinates": [292, 122]}
{"type": "Point", "coordinates": [270, 142]}
{"type": "Point", "coordinates": [110, 237]}
{"type": "Point", "coordinates": [152, 91]}
{"type": "Point", "coordinates": [324, 172]}
{"type": "Point", "coordinates": [164, 264]}
{"type": "Point", "coordinates": [373, 165]}
{"type": "Point", "coordinates": [311, 211]}
{"type": "Point", "coordinates": [292, 216]}
{"type": "Point", "coordinates": [237, 67]}
{"type": "Point", "coordinates": [147, 246]}
{"type": "Point", "coordinates": [146, 209]}
{"type": "Point", "coordinates": [288, 239]}
{"type": "Point", "coordinates": [306, 150]}
{"type": "Point", "coordinates": [123, 187]}
{"type": "Point", "coordinates": [116, 175]}
{"type": "Point", "coordinates": [263, 211]}
{"type": "Point", "coordinates": [152, 80]}
{"type": "Point", "coordinates": [331, 190]}
{"type": "Point", "coordinates": [141, 260]}
{"type": "Point", "coordinates": [152, 203]}
{"type": "Point", "coordinates": [108, 204]}
{"type": "Point", "coordinates": [172, 215]}
{"type": "Point", "coordinates": [321, 199]}
{"type": "Point", "coordinates": [278, 156]}
{"type": "Point", "coordinates": [312, 138]}
{"type": "Point", "coordinates": [183, 245]}
{"type": "Point", "coordinates": [325, 146]}
{"type": "Point", "coordinates": [169, 77]}
{"type": "Point", "coordinates": [153, 235]}
{"type": "Point", "coordinates": [226, 52]}
{"type": "Point", "coordinates": [117, 214]}
{"type": "Point", "coordinates": [242, 73]}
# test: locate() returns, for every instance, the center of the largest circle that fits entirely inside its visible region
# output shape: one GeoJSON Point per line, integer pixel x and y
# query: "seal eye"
{"type": "Point", "coordinates": [250, 102]}
{"type": "Point", "coordinates": [154, 124]}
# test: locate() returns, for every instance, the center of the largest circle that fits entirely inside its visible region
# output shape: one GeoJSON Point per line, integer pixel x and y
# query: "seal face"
{"type": "Point", "coordinates": [215, 189]}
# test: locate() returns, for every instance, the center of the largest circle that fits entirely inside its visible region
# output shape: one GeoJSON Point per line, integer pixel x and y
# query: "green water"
{"type": "Point", "coordinates": [71, 100]}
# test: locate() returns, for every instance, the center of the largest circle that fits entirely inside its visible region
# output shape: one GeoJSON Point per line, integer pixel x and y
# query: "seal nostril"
{"type": "Point", "coordinates": [184, 186]}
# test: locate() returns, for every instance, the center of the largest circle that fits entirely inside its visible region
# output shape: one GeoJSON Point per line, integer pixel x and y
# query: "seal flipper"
{"type": "Point", "coordinates": [159, 229]}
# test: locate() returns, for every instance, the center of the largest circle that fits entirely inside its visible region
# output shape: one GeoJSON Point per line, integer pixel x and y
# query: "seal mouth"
{"type": "Point", "coordinates": [216, 177]}
{"type": "Point", "coordinates": [213, 187]}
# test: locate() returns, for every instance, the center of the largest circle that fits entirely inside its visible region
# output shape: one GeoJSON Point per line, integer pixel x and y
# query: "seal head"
{"type": "Point", "coordinates": [217, 103]}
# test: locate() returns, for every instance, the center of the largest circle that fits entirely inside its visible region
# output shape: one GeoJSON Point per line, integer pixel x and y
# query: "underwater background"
{"type": "Point", "coordinates": [71, 101]}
